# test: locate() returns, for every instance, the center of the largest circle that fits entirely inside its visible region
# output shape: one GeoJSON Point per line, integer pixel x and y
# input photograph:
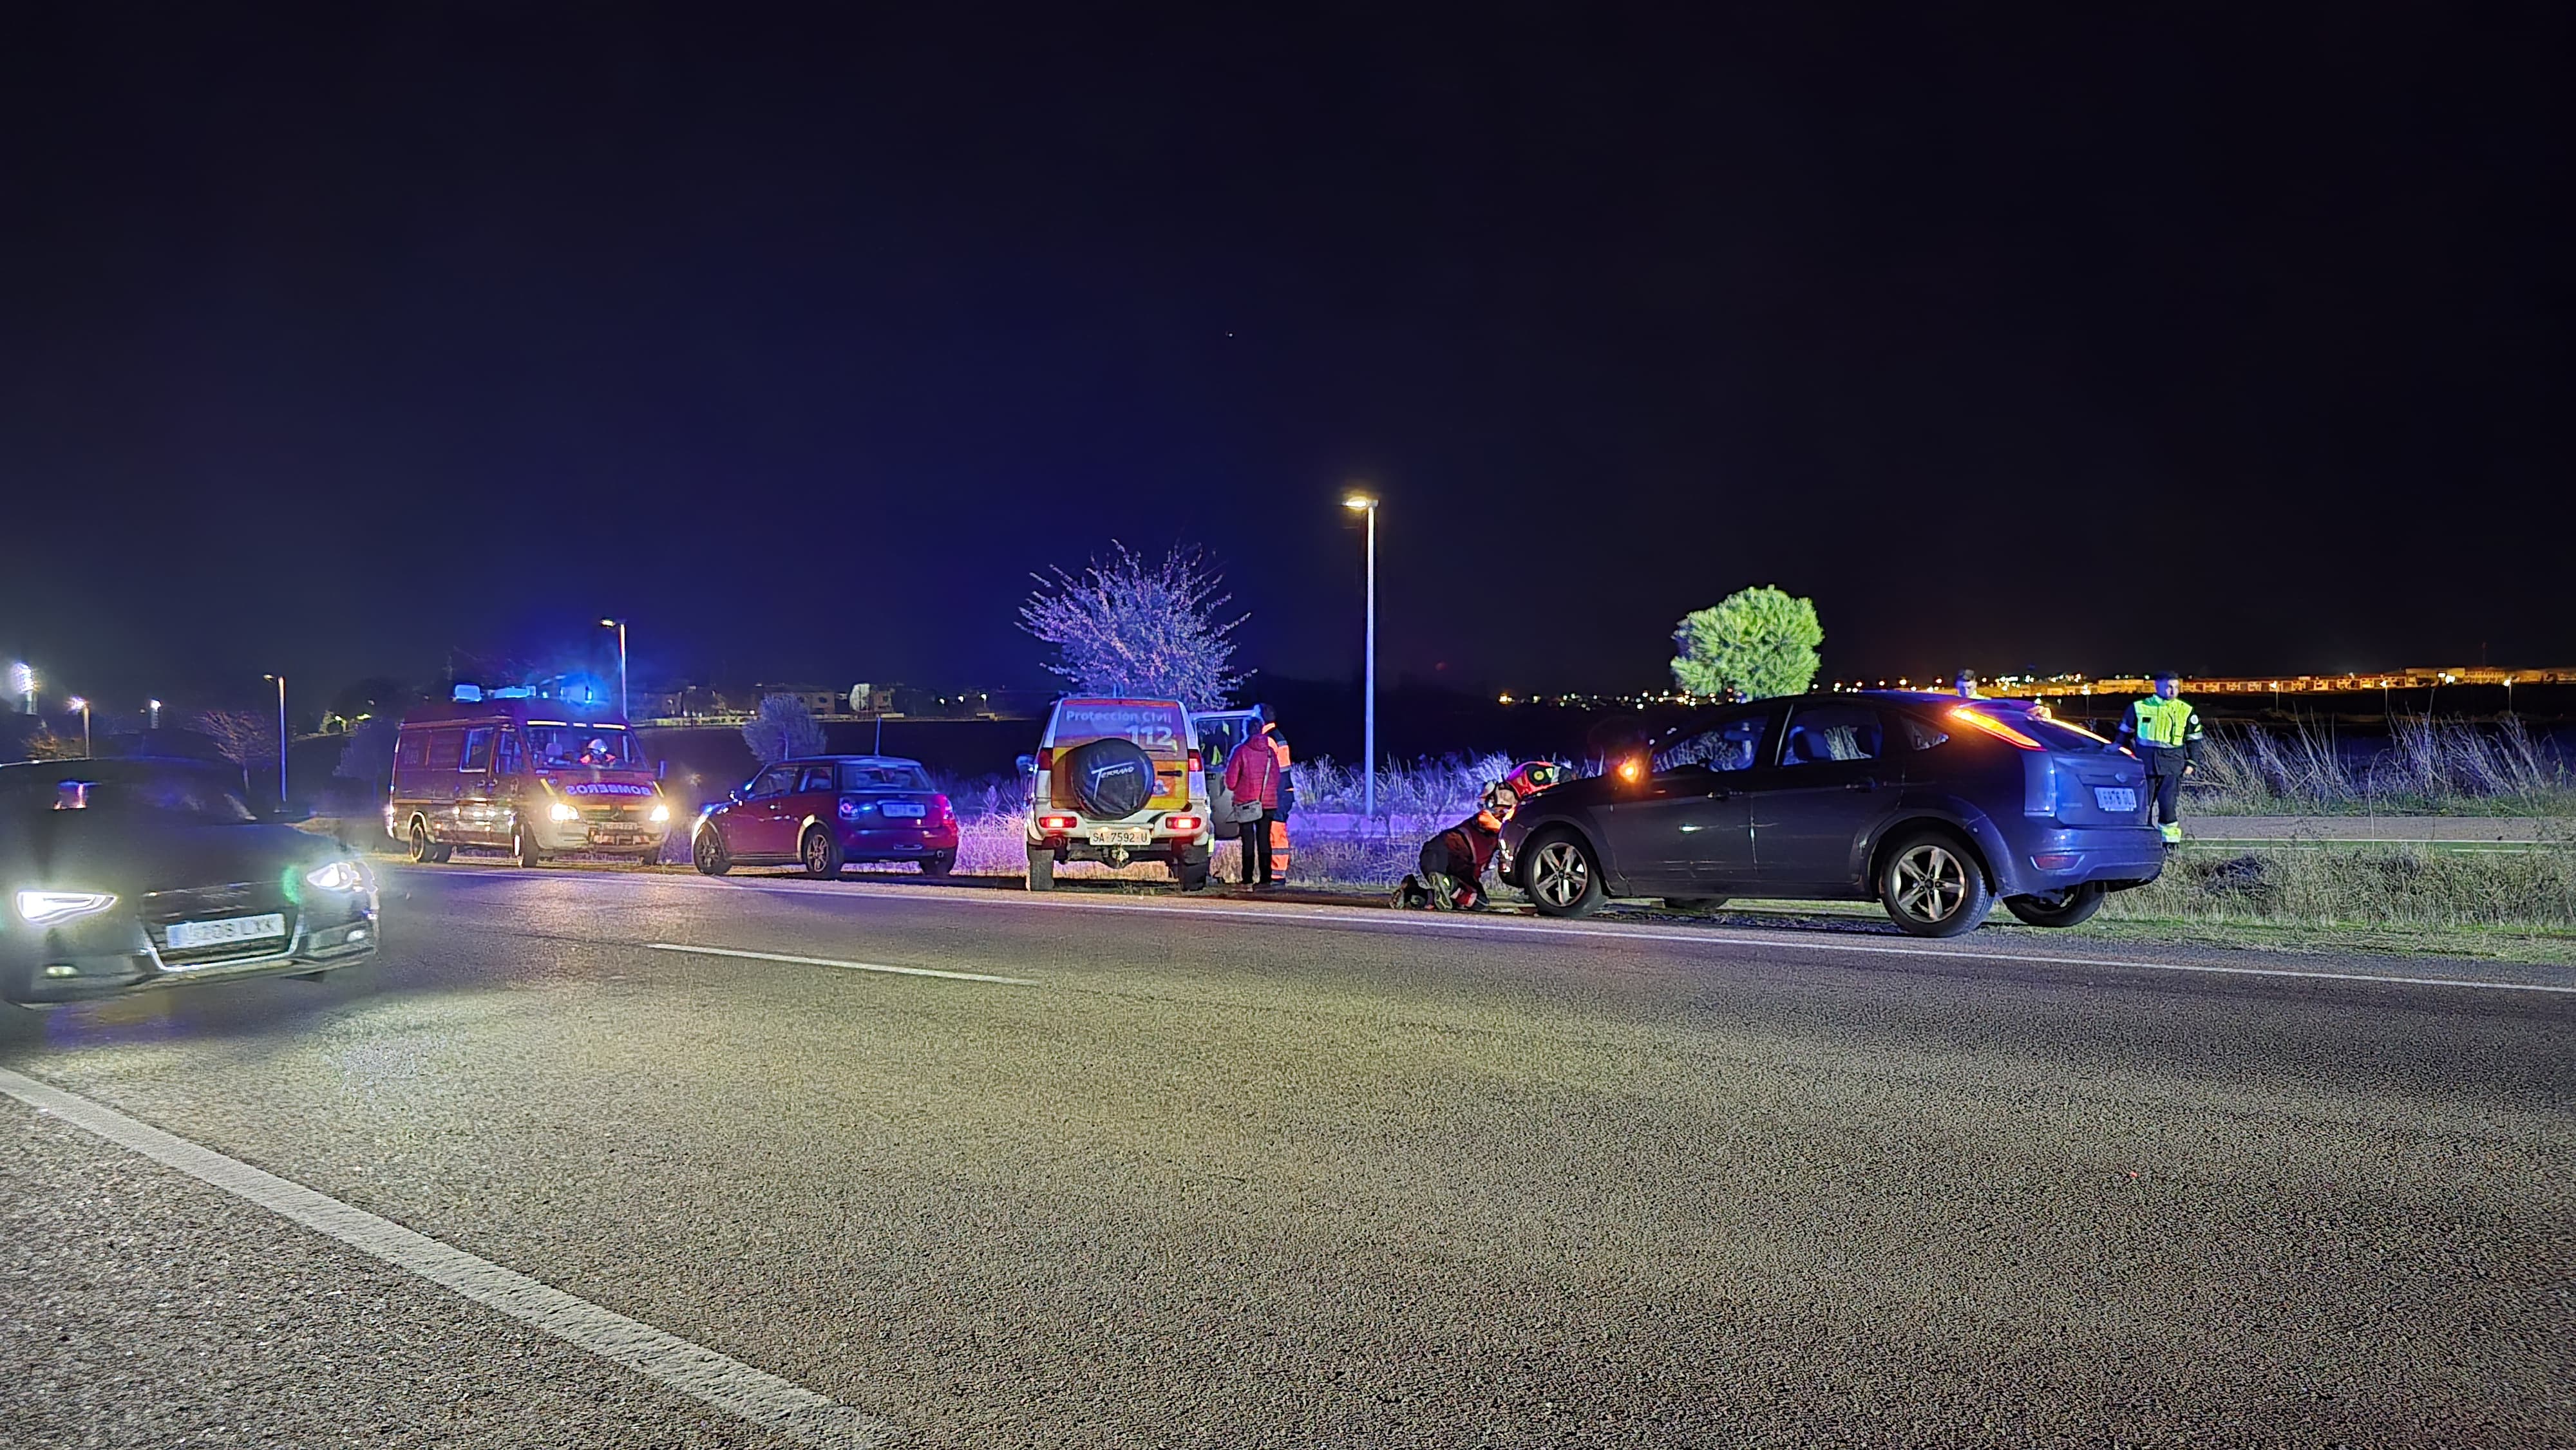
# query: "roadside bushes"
{"type": "Point", "coordinates": [2430, 766]}
{"type": "Point", "coordinates": [2331, 885]}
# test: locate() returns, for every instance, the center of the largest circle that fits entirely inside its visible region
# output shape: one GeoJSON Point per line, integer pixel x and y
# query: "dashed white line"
{"type": "Point", "coordinates": [665, 946]}
{"type": "Point", "coordinates": [694, 1370]}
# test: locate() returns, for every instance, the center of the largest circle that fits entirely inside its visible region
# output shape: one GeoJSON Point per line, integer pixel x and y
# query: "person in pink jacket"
{"type": "Point", "coordinates": [1252, 774]}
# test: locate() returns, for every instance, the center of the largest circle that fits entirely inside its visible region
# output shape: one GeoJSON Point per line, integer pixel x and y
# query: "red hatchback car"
{"type": "Point", "coordinates": [825, 810]}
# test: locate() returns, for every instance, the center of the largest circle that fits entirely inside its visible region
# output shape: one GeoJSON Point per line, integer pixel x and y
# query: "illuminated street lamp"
{"type": "Point", "coordinates": [77, 703]}
{"type": "Point", "coordinates": [281, 737]}
{"type": "Point", "coordinates": [620, 626]}
{"type": "Point", "coordinates": [1362, 503]}
{"type": "Point", "coordinates": [22, 683]}
{"type": "Point", "coordinates": [156, 713]}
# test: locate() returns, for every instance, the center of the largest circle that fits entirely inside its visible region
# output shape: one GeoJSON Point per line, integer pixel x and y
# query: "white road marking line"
{"type": "Point", "coordinates": [693, 1369]}
{"type": "Point", "coordinates": [1375, 919]}
{"type": "Point", "coordinates": [664, 946]}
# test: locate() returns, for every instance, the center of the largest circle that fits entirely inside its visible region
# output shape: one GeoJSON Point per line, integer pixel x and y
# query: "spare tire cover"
{"type": "Point", "coordinates": [1112, 779]}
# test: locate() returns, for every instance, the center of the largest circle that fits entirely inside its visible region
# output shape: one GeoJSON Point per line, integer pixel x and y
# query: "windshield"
{"type": "Point", "coordinates": [566, 747]}
{"type": "Point", "coordinates": [884, 775]}
{"type": "Point", "coordinates": [123, 788]}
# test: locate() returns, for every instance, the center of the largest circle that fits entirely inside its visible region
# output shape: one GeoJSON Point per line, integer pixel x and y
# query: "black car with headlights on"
{"type": "Point", "coordinates": [1934, 806]}
{"type": "Point", "coordinates": [130, 874]}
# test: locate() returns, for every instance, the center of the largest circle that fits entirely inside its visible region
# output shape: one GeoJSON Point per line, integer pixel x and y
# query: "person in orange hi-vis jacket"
{"type": "Point", "coordinates": [1277, 820]}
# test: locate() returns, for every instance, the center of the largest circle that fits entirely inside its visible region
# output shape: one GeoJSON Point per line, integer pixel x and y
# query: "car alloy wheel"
{"type": "Point", "coordinates": [1931, 883]}
{"type": "Point", "coordinates": [708, 852]}
{"type": "Point", "coordinates": [2071, 907]}
{"type": "Point", "coordinates": [1560, 879]}
{"type": "Point", "coordinates": [821, 854]}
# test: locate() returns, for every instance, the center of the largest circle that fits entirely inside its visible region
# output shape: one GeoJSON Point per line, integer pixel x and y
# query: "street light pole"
{"type": "Point", "coordinates": [281, 738]}
{"type": "Point", "coordinates": [156, 713]}
{"type": "Point", "coordinates": [623, 711]}
{"type": "Point", "coordinates": [77, 703]}
{"type": "Point", "coordinates": [1368, 667]}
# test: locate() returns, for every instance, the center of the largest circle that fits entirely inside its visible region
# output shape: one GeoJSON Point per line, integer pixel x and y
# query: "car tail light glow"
{"type": "Point", "coordinates": [1046, 760]}
{"type": "Point", "coordinates": [849, 809]}
{"type": "Point", "coordinates": [1182, 823]}
{"type": "Point", "coordinates": [2056, 860]}
{"type": "Point", "coordinates": [940, 809]}
{"type": "Point", "coordinates": [1195, 763]}
{"type": "Point", "coordinates": [1979, 720]}
{"type": "Point", "coordinates": [1058, 823]}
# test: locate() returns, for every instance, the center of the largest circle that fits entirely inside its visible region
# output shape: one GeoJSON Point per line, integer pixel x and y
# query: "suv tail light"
{"type": "Point", "coordinates": [1046, 760]}
{"type": "Point", "coordinates": [1195, 763]}
{"type": "Point", "coordinates": [1183, 823]}
{"type": "Point", "coordinates": [1058, 823]}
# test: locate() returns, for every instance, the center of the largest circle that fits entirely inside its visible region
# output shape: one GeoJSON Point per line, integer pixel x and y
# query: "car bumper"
{"type": "Point", "coordinates": [2053, 860]}
{"type": "Point", "coordinates": [115, 957]}
{"type": "Point", "coordinates": [598, 836]}
{"type": "Point", "coordinates": [1078, 845]}
{"type": "Point", "coordinates": [897, 843]}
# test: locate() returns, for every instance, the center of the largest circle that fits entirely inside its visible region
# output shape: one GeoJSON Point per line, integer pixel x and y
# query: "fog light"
{"type": "Point", "coordinates": [62, 969]}
{"type": "Point", "coordinates": [2056, 861]}
{"type": "Point", "coordinates": [357, 933]}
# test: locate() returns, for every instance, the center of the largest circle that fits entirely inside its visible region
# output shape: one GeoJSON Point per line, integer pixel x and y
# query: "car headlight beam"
{"type": "Point", "coordinates": [661, 813]}
{"type": "Point", "coordinates": [43, 908]}
{"type": "Point", "coordinates": [337, 876]}
{"type": "Point", "coordinates": [561, 812]}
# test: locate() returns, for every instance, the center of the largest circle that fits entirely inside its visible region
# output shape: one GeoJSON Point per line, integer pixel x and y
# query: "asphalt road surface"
{"type": "Point", "coordinates": [1140, 1172]}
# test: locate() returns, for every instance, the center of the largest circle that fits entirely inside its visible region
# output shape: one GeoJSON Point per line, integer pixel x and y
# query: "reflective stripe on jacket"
{"type": "Point", "coordinates": [2164, 724]}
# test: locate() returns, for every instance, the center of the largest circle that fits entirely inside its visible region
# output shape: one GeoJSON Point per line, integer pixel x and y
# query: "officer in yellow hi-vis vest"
{"type": "Point", "coordinates": [2164, 730]}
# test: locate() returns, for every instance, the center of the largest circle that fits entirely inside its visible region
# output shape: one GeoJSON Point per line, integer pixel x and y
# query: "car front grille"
{"type": "Point", "coordinates": [205, 903]}
{"type": "Point", "coordinates": [633, 814]}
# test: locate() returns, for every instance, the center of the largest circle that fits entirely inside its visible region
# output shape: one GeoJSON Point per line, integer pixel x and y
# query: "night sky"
{"type": "Point", "coordinates": [2228, 339]}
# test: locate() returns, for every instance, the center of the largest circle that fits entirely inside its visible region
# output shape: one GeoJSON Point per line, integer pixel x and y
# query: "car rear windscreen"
{"type": "Point", "coordinates": [1158, 725]}
{"type": "Point", "coordinates": [2054, 733]}
{"type": "Point", "coordinates": [875, 776]}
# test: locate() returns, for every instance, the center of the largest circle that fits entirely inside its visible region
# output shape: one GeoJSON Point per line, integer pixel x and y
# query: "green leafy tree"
{"type": "Point", "coordinates": [1760, 641]}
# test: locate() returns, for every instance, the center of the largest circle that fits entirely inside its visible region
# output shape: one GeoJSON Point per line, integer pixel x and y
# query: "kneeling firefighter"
{"type": "Point", "coordinates": [1454, 862]}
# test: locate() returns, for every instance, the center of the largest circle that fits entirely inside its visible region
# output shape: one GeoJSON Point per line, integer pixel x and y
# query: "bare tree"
{"type": "Point", "coordinates": [1129, 626]}
{"type": "Point", "coordinates": [44, 744]}
{"type": "Point", "coordinates": [782, 729]}
{"type": "Point", "coordinates": [247, 738]}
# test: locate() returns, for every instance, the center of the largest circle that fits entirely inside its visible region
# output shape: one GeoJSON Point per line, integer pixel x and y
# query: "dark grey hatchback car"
{"type": "Point", "coordinates": [1937, 807]}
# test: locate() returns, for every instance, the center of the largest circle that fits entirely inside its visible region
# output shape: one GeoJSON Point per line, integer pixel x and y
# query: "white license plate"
{"type": "Point", "coordinates": [187, 936]}
{"type": "Point", "coordinates": [912, 809]}
{"type": "Point", "coordinates": [1121, 835]}
{"type": "Point", "coordinates": [2115, 798]}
